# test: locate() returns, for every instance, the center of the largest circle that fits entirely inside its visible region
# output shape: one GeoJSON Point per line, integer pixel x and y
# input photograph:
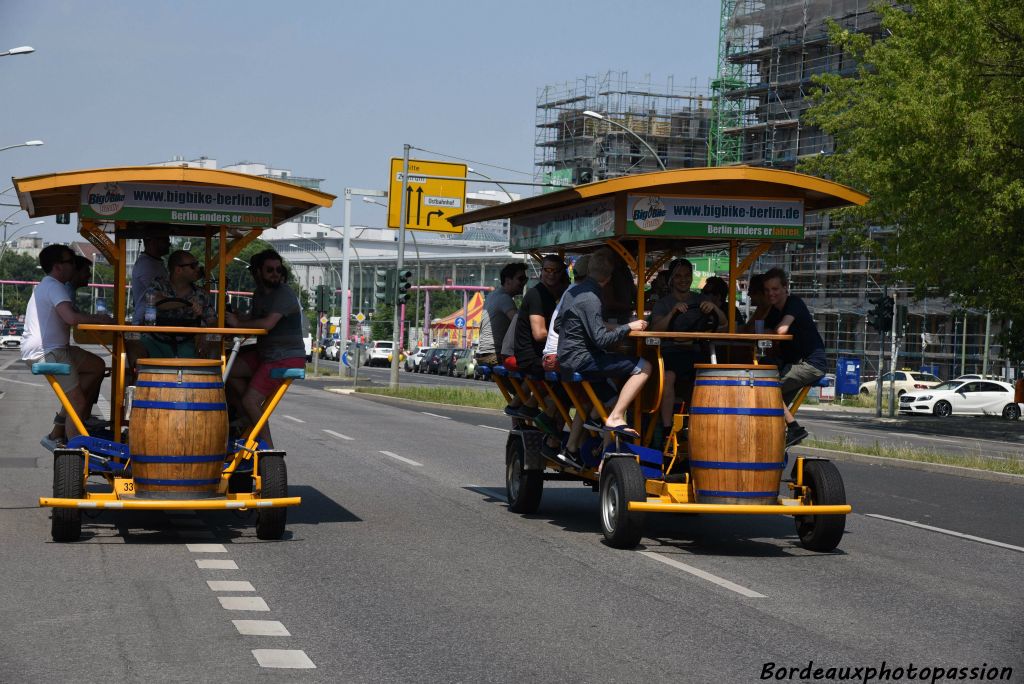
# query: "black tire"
{"type": "Point", "coordinates": [864, 391]}
{"type": "Point", "coordinates": [66, 523]}
{"type": "Point", "coordinates": [274, 484]}
{"type": "Point", "coordinates": [822, 532]}
{"type": "Point", "coordinates": [523, 488]}
{"type": "Point", "coordinates": [622, 482]}
{"type": "Point", "coordinates": [942, 409]}
{"type": "Point", "coordinates": [1011, 412]}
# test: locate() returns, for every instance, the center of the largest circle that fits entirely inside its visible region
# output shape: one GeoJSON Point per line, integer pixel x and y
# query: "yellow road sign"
{"type": "Point", "coordinates": [430, 201]}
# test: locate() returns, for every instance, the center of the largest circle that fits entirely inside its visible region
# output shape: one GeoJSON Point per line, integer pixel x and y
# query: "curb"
{"type": "Point", "coordinates": [941, 468]}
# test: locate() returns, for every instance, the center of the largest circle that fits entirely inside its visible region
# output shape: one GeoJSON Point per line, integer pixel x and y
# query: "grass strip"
{"type": "Point", "coordinates": [976, 460]}
{"type": "Point", "coordinates": [458, 396]}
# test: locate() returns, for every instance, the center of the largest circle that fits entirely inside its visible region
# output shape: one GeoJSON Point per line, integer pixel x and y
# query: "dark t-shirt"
{"type": "Point", "coordinates": [806, 344]}
{"type": "Point", "coordinates": [284, 340]}
{"type": "Point", "coordinates": [538, 301]}
{"type": "Point", "coordinates": [694, 320]}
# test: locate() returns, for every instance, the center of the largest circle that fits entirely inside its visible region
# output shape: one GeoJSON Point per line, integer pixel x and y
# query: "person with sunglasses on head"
{"type": "Point", "coordinates": [276, 309]}
{"type": "Point", "coordinates": [48, 320]}
{"type": "Point", "coordinates": [179, 302]}
{"type": "Point", "coordinates": [499, 310]}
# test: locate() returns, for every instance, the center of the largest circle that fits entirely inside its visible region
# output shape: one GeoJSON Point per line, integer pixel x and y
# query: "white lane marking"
{"type": "Point", "coordinates": [261, 628]}
{"type": "Point", "coordinates": [951, 533]}
{"type": "Point", "coordinates": [339, 435]}
{"type": "Point", "coordinates": [491, 427]}
{"type": "Point", "coordinates": [403, 459]}
{"type": "Point", "coordinates": [216, 565]}
{"type": "Point", "coordinates": [206, 548]}
{"type": "Point", "coordinates": [8, 364]}
{"type": "Point", "coordinates": [283, 659]}
{"type": "Point", "coordinates": [297, 420]}
{"type": "Point", "coordinates": [229, 585]}
{"type": "Point", "coordinates": [696, 572]}
{"type": "Point", "coordinates": [195, 534]}
{"type": "Point", "coordinates": [435, 415]}
{"type": "Point", "coordinates": [243, 603]}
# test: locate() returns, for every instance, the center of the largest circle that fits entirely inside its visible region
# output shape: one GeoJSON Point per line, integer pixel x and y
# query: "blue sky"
{"type": "Point", "coordinates": [326, 89]}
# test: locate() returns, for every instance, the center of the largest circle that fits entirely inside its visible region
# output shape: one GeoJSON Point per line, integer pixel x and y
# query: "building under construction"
{"type": "Point", "coordinates": [574, 146]}
{"type": "Point", "coordinates": [769, 53]}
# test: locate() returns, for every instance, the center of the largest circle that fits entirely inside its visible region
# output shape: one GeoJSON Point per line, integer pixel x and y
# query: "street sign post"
{"type": "Point", "coordinates": [429, 202]}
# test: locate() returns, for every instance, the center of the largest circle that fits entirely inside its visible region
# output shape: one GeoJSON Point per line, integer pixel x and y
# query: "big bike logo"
{"type": "Point", "coordinates": [649, 213]}
{"type": "Point", "coordinates": [106, 199]}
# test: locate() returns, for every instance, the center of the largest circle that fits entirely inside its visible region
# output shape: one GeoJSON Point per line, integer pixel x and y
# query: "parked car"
{"type": "Point", "coordinates": [465, 367]}
{"type": "Point", "coordinates": [412, 361]}
{"type": "Point", "coordinates": [379, 352]}
{"type": "Point", "coordinates": [331, 350]}
{"type": "Point", "coordinates": [438, 363]}
{"type": "Point", "coordinates": [11, 338]}
{"type": "Point", "coordinates": [428, 355]}
{"type": "Point", "coordinates": [966, 397]}
{"type": "Point", "coordinates": [905, 381]}
{"type": "Point", "coordinates": [454, 358]}
{"type": "Point", "coordinates": [976, 376]}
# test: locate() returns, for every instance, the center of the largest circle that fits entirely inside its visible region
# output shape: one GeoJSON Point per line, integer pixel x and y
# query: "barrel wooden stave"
{"type": "Point", "coordinates": [192, 442]}
{"type": "Point", "coordinates": [743, 453]}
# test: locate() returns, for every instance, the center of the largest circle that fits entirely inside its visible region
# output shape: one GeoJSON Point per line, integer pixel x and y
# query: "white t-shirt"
{"type": "Point", "coordinates": [45, 330]}
{"type": "Point", "coordinates": [551, 345]}
{"type": "Point", "coordinates": [146, 268]}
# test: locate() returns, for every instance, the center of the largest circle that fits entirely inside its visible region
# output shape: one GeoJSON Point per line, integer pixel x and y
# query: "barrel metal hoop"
{"type": "Point", "coordinates": [727, 411]}
{"type": "Point", "coordinates": [737, 383]}
{"type": "Point", "coordinates": [175, 483]}
{"type": "Point", "coordinates": [739, 465]}
{"type": "Point", "coordinates": [211, 458]}
{"type": "Point", "coordinates": [180, 405]}
{"type": "Point", "coordinates": [180, 385]}
{"type": "Point", "coordinates": [737, 495]}
{"type": "Point", "coordinates": [157, 370]}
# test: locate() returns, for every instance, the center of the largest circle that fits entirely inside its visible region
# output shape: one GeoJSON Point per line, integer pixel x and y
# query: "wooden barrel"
{"type": "Point", "coordinates": [737, 434]}
{"type": "Point", "coordinates": [178, 435]}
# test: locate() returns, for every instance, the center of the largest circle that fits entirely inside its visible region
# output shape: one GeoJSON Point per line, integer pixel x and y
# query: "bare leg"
{"type": "Point", "coordinates": [80, 404]}
{"type": "Point", "coordinates": [252, 403]}
{"type": "Point", "coordinates": [628, 393]}
{"type": "Point", "coordinates": [668, 397]}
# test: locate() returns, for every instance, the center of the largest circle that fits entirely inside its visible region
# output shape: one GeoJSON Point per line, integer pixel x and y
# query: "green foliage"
{"type": "Point", "coordinates": [15, 266]}
{"type": "Point", "coordinates": [382, 322]}
{"type": "Point", "coordinates": [442, 302]}
{"type": "Point", "coordinates": [933, 129]}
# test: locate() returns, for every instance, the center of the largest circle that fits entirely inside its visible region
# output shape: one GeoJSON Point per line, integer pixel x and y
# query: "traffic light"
{"type": "Point", "coordinates": [380, 284]}
{"type": "Point", "coordinates": [321, 298]}
{"type": "Point", "coordinates": [404, 284]}
{"type": "Point", "coordinates": [880, 317]}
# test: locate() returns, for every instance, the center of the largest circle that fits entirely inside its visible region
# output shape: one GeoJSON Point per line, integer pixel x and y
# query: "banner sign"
{"type": "Point", "coordinates": [715, 217]}
{"type": "Point", "coordinates": [183, 204]}
{"type": "Point", "coordinates": [581, 223]}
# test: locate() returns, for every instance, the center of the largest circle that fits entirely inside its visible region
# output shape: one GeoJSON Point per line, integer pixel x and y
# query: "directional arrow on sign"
{"type": "Point", "coordinates": [434, 213]}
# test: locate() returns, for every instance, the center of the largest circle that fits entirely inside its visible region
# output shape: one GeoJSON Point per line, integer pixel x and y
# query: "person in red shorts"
{"type": "Point", "coordinates": [276, 309]}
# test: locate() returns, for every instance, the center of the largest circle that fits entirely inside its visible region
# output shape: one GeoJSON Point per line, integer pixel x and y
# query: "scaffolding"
{"type": "Point", "coordinates": [572, 148]}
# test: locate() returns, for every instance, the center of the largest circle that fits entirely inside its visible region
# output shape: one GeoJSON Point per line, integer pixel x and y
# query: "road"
{"type": "Point", "coordinates": [404, 564]}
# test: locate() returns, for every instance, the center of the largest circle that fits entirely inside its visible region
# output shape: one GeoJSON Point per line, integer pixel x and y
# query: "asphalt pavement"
{"type": "Point", "coordinates": [403, 564]}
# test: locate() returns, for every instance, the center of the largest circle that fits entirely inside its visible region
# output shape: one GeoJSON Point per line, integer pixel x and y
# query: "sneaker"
{"type": "Point", "coordinates": [49, 443]}
{"type": "Point", "coordinates": [548, 450]}
{"type": "Point", "coordinates": [570, 458]}
{"type": "Point", "coordinates": [795, 435]}
{"type": "Point", "coordinates": [513, 412]}
{"type": "Point", "coordinates": [544, 424]}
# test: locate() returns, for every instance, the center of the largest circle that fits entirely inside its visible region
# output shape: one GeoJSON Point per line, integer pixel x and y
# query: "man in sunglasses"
{"type": "Point", "coordinates": [276, 309]}
{"type": "Point", "coordinates": [178, 302]}
{"type": "Point", "coordinates": [48, 320]}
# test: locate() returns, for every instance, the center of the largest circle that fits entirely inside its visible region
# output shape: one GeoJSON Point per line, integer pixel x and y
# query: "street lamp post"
{"type": "Point", "coordinates": [23, 50]}
{"type": "Point", "coordinates": [27, 143]}
{"type": "Point", "coordinates": [602, 117]}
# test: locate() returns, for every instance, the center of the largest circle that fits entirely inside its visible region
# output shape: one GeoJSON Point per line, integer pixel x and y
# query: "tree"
{"type": "Point", "coordinates": [932, 128]}
{"type": "Point", "coordinates": [16, 266]}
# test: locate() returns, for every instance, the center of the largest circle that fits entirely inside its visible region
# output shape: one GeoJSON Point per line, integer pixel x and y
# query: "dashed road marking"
{"type": "Point", "coordinates": [403, 459]}
{"type": "Point", "coordinates": [254, 603]}
{"type": "Point", "coordinates": [951, 533]}
{"type": "Point", "coordinates": [435, 415]}
{"type": "Point", "coordinates": [283, 658]}
{"type": "Point", "coordinates": [261, 628]}
{"type": "Point", "coordinates": [216, 565]}
{"type": "Point", "coordinates": [491, 427]}
{"type": "Point", "coordinates": [206, 548]}
{"type": "Point", "coordinates": [293, 418]}
{"type": "Point", "coordinates": [696, 572]}
{"type": "Point", "coordinates": [339, 435]}
{"type": "Point", "coordinates": [229, 585]}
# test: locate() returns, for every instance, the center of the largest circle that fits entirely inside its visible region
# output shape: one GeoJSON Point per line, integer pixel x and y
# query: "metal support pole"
{"type": "Point", "coordinates": [892, 365]}
{"type": "Point", "coordinates": [988, 334]}
{"type": "Point", "coordinates": [346, 247]}
{"type": "Point", "coordinates": [396, 333]}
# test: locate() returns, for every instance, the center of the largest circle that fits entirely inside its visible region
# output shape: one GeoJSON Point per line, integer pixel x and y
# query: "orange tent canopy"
{"type": "Point", "coordinates": [472, 313]}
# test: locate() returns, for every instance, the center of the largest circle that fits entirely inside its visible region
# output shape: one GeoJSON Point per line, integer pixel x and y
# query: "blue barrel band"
{"type": "Point", "coordinates": [175, 483]}
{"type": "Point", "coordinates": [212, 458]}
{"type": "Point", "coordinates": [181, 405]}
{"type": "Point", "coordinates": [180, 385]}
{"type": "Point", "coordinates": [737, 465]}
{"type": "Point", "coordinates": [735, 495]}
{"type": "Point", "coordinates": [736, 383]}
{"type": "Point", "coordinates": [730, 411]}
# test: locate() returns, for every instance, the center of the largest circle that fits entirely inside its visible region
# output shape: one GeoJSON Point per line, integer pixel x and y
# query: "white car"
{"type": "Point", "coordinates": [904, 381]}
{"type": "Point", "coordinates": [412, 361]}
{"type": "Point", "coordinates": [966, 397]}
{"type": "Point", "coordinates": [380, 353]}
{"type": "Point", "coordinates": [11, 340]}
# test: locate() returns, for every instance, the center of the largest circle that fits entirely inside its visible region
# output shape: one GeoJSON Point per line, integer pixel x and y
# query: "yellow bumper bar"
{"type": "Point", "coordinates": [172, 504]}
{"type": "Point", "coordinates": [757, 509]}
